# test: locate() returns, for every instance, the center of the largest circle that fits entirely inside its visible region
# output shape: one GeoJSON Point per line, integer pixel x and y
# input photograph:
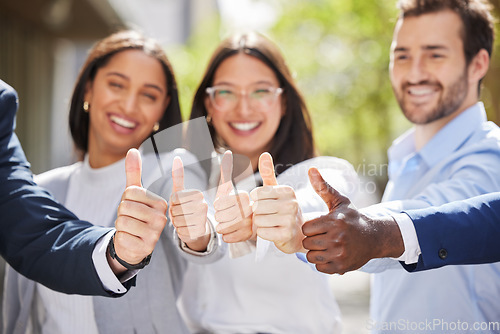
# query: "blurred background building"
{"type": "Point", "coordinates": [43, 43]}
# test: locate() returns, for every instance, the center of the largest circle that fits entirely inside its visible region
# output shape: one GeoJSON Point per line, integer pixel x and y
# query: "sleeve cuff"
{"type": "Point", "coordinates": [410, 239]}
{"type": "Point", "coordinates": [108, 279]}
{"type": "Point", "coordinates": [210, 247]}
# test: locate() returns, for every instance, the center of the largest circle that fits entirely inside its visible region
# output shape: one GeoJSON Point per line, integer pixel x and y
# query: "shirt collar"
{"type": "Point", "coordinates": [446, 141]}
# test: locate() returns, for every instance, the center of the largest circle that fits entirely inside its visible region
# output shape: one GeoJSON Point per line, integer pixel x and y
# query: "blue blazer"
{"type": "Point", "coordinates": [39, 237]}
{"type": "Point", "coordinates": [462, 232]}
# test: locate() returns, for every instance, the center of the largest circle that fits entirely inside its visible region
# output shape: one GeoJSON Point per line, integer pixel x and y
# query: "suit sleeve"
{"type": "Point", "coordinates": [462, 232]}
{"type": "Point", "coordinates": [39, 237]}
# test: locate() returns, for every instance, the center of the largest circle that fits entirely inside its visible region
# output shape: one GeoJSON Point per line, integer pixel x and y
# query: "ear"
{"type": "Point", "coordinates": [208, 106]}
{"type": "Point", "coordinates": [479, 65]}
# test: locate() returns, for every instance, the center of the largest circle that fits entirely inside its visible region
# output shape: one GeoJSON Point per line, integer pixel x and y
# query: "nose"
{"type": "Point", "coordinates": [417, 71]}
{"type": "Point", "coordinates": [243, 106]}
{"type": "Point", "coordinates": [129, 103]}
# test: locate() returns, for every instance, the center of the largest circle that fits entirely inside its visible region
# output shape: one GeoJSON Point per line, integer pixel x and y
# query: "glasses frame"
{"type": "Point", "coordinates": [277, 91]}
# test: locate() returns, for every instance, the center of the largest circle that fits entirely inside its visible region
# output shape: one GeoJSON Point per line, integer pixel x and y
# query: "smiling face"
{"type": "Point", "coordinates": [127, 97]}
{"type": "Point", "coordinates": [428, 69]}
{"type": "Point", "coordinates": [246, 128]}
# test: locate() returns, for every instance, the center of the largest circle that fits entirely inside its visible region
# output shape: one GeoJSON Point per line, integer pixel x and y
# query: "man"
{"type": "Point", "coordinates": [47, 243]}
{"type": "Point", "coordinates": [439, 55]}
{"type": "Point", "coordinates": [460, 232]}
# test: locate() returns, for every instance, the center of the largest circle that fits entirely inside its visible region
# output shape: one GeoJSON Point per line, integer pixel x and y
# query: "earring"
{"type": "Point", "coordinates": [209, 119]}
{"type": "Point", "coordinates": [86, 106]}
{"type": "Point", "coordinates": [156, 127]}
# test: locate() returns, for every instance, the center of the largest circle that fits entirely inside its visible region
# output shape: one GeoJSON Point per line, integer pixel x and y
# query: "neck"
{"type": "Point", "coordinates": [425, 132]}
{"type": "Point", "coordinates": [241, 161]}
{"type": "Point", "coordinates": [99, 160]}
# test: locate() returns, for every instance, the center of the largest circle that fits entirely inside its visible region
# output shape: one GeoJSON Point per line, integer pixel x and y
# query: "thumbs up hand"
{"type": "Point", "coordinates": [344, 239]}
{"type": "Point", "coordinates": [188, 211]}
{"type": "Point", "coordinates": [233, 211]}
{"type": "Point", "coordinates": [140, 219]}
{"type": "Point", "coordinates": [276, 212]}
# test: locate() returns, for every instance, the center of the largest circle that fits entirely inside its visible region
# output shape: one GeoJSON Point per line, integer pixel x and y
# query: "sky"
{"type": "Point", "coordinates": [248, 14]}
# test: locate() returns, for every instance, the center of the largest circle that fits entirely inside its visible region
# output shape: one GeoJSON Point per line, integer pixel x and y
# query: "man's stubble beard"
{"type": "Point", "coordinates": [447, 104]}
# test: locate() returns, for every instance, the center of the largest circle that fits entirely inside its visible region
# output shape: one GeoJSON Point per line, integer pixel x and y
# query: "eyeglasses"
{"type": "Point", "coordinates": [258, 98]}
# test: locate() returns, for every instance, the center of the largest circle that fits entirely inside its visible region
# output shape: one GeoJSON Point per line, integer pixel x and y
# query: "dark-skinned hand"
{"type": "Point", "coordinates": [344, 239]}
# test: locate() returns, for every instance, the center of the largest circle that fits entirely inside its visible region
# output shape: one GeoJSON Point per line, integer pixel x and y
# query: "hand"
{"type": "Point", "coordinates": [344, 239]}
{"type": "Point", "coordinates": [276, 212]}
{"type": "Point", "coordinates": [140, 220]}
{"type": "Point", "coordinates": [233, 211]}
{"type": "Point", "coordinates": [188, 211]}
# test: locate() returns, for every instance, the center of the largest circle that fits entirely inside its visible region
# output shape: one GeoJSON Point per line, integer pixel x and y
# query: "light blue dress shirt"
{"type": "Point", "coordinates": [462, 160]}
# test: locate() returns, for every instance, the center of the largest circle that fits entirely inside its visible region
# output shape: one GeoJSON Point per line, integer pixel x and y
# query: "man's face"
{"type": "Point", "coordinates": [428, 69]}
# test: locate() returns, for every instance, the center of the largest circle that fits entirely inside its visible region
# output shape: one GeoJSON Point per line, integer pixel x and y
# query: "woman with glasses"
{"type": "Point", "coordinates": [125, 93]}
{"type": "Point", "coordinates": [252, 105]}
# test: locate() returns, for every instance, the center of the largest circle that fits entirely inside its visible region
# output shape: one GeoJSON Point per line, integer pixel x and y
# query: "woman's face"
{"type": "Point", "coordinates": [127, 97]}
{"type": "Point", "coordinates": [245, 105]}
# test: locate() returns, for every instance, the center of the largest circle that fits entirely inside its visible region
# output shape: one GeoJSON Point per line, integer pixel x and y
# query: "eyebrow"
{"type": "Point", "coordinates": [150, 85]}
{"type": "Point", "coordinates": [225, 83]}
{"type": "Point", "coordinates": [425, 47]}
{"type": "Point", "coordinates": [435, 47]}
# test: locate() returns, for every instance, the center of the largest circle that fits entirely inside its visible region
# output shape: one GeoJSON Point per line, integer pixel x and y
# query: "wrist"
{"type": "Point", "coordinates": [389, 237]}
{"type": "Point", "coordinates": [112, 253]}
{"type": "Point", "coordinates": [199, 244]}
{"type": "Point", "coordinates": [205, 246]}
{"type": "Point", "coordinates": [115, 266]}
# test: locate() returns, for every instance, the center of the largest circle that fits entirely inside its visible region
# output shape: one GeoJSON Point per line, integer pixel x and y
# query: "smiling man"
{"type": "Point", "coordinates": [440, 52]}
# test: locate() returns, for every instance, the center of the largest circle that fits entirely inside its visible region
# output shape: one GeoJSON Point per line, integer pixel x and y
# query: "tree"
{"type": "Point", "coordinates": [339, 51]}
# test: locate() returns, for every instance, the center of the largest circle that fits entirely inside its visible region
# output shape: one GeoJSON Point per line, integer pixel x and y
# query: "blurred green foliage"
{"type": "Point", "coordinates": [339, 53]}
{"type": "Point", "coordinates": [189, 61]}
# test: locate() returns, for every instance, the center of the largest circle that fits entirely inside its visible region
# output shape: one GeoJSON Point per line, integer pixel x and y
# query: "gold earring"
{"type": "Point", "coordinates": [209, 119]}
{"type": "Point", "coordinates": [156, 127]}
{"type": "Point", "coordinates": [86, 106]}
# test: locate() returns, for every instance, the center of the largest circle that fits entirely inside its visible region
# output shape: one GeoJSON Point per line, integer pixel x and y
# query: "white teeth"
{"type": "Point", "coordinates": [420, 92]}
{"type": "Point", "coordinates": [122, 122]}
{"type": "Point", "coordinates": [246, 126]}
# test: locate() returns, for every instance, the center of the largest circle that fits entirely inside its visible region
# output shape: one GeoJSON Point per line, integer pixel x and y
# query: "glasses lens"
{"type": "Point", "coordinates": [262, 98]}
{"type": "Point", "coordinates": [224, 98]}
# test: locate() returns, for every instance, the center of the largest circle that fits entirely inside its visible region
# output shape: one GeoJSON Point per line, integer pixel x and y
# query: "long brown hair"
{"type": "Point", "coordinates": [293, 140]}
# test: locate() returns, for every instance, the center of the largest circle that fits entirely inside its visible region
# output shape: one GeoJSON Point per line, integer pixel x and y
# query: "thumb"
{"type": "Point", "coordinates": [133, 168]}
{"type": "Point", "coordinates": [266, 170]}
{"type": "Point", "coordinates": [177, 175]}
{"type": "Point", "coordinates": [226, 173]}
{"type": "Point", "coordinates": [332, 197]}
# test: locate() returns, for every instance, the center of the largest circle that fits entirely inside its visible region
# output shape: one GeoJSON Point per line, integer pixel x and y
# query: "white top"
{"type": "Point", "coordinates": [277, 293]}
{"type": "Point", "coordinates": [93, 195]}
